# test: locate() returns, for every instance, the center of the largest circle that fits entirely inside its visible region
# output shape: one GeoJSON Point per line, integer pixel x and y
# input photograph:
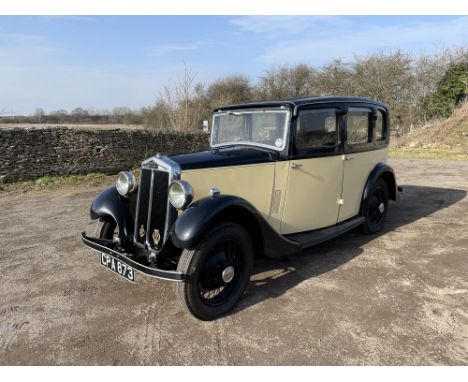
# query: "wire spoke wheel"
{"type": "Point", "coordinates": [218, 271]}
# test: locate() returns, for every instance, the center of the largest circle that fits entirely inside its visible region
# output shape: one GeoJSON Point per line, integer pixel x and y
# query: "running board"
{"type": "Point", "coordinates": [310, 238]}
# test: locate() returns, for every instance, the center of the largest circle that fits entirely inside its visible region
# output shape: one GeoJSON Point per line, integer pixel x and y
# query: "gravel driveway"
{"type": "Point", "coordinates": [400, 297]}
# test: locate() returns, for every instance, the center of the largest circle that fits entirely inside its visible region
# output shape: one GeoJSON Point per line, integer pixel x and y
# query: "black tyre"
{"type": "Point", "coordinates": [106, 228]}
{"type": "Point", "coordinates": [376, 207]}
{"type": "Point", "coordinates": [218, 271]}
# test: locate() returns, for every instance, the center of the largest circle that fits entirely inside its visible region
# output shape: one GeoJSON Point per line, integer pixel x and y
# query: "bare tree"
{"type": "Point", "coordinates": [228, 90]}
{"type": "Point", "coordinates": [39, 113]}
{"type": "Point", "coordinates": [395, 77]}
{"type": "Point", "coordinates": [334, 79]}
{"type": "Point", "coordinates": [284, 81]}
{"type": "Point", "coordinates": [181, 102]}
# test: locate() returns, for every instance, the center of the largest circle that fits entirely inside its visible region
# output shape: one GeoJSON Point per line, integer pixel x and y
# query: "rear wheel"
{"type": "Point", "coordinates": [375, 208]}
{"type": "Point", "coordinates": [218, 271]}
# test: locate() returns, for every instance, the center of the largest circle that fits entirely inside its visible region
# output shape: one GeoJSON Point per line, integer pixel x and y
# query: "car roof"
{"type": "Point", "coordinates": [297, 102]}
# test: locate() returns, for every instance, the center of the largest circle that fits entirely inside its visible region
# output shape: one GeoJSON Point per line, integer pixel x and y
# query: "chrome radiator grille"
{"type": "Point", "coordinates": [152, 209]}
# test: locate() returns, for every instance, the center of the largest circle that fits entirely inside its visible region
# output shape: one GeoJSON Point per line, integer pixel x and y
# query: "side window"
{"type": "Point", "coordinates": [358, 127]}
{"type": "Point", "coordinates": [379, 129]}
{"type": "Point", "coordinates": [317, 129]}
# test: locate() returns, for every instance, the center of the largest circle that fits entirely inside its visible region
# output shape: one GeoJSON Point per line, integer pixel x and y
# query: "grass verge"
{"type": "Point", "coordinates": [52, 181]}
{"type": "Point", "coordinates": [427, 154]}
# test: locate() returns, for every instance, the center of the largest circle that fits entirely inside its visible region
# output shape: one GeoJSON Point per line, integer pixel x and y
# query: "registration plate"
{"type": "Point", "coordinates": [118, 267]}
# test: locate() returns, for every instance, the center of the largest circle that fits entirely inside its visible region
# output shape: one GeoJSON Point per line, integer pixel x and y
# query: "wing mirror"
{"type": "Point", "coordinates": [206, 127]}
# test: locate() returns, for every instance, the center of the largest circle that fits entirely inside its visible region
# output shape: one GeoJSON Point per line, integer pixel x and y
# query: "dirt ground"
{"type": "Point", "coordinates": [400, 297]}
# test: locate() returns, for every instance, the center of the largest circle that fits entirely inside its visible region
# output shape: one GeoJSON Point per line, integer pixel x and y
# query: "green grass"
{"type": "Point", "coordinates": [427, 154]}
{"type": "Point", "coordinates": [47, 181]}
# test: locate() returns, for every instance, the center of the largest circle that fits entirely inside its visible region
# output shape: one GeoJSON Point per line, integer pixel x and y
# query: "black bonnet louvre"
{"type": "Point", "coordinates": [143, 206]}
{"type": "Point", "coordinates": [156, 210]}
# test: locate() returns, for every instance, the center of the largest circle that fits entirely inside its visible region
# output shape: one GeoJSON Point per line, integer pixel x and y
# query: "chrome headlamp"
{"type": "Point", "coordinates": [126, 183]}
{"type": "Point", "coordinates": [180, 194]}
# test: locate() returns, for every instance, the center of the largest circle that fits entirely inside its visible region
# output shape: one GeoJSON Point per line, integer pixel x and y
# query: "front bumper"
{"type": "Point", "coordinates": [105, 246]}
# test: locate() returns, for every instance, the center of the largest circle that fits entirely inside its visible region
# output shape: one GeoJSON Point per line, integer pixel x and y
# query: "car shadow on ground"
{"type": "Point", "coordinates": [274, 277]}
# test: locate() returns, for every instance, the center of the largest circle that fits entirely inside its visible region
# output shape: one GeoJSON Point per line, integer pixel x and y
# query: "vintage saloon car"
{"type": "Point", "coordinates": [279, 176]}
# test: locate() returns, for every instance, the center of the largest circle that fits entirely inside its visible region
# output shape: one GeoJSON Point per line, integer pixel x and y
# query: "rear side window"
{"type": "Point", "coordinates": [317, 129]}
{"type": "Point", "coordinates": [358, 126]}
{"type": "Point", "coordinates": [379, 129]}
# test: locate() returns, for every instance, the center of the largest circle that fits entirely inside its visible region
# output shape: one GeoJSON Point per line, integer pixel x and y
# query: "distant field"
{"type": "Point", "coordinates": [71, 126]}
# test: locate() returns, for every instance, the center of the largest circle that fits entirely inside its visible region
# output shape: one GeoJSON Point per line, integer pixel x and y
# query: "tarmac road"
{"type": "Point", "coordinates": [398, 298]}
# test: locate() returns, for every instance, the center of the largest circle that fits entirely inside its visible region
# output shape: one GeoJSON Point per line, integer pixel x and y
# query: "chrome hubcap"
{"type": "Point", "coordinates": [381, 208]}
{"type": "Point", "coordinates": [228, 274]}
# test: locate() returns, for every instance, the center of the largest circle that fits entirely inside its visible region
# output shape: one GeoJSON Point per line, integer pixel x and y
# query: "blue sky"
{"type": "Point", "coordinates": [61, 62]}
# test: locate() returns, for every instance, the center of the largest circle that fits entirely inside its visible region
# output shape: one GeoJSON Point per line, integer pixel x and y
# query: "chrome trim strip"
{"type": "Point", "coordinates": [255, 105]}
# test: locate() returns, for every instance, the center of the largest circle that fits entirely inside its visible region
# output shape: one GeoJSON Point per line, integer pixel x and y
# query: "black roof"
{"type": "Point", "coordinates": [296, 102]}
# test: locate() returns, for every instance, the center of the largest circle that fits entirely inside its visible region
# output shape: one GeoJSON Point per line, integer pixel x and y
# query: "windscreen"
{"type": "Point", "coordinates": [254, 127]}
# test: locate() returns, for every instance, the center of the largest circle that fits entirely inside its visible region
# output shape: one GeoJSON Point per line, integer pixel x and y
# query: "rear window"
{"type": "Point", "coordinates": [358, 124]}
{"type": "Point", "coordinates": [379, 129]}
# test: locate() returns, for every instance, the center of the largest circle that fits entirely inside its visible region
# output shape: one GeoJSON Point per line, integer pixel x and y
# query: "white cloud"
{"type": "Point", "coordinates": [275, 26]}
{"type": "Point", "coordinates": [175, 48]}
{"type": "Point", "coordinates": [72, 18]}
{"type": "Point", "coordinates": [15, 47]}
{"type": "Point", "coordinates": [324, 38]}
{"type": "Point", "coordinates": [160, 50]}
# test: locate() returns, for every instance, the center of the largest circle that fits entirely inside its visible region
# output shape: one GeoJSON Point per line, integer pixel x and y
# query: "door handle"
{"type": "Point", "coordinates": [295, 165]}
{"type": "Point", "coordinates": [348, 157]}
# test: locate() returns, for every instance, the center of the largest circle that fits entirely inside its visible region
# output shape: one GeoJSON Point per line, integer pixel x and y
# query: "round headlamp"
{"type": "Point", "coordinates": [126, 183]}
{"type": "Point", "coordinates": [180, 194]}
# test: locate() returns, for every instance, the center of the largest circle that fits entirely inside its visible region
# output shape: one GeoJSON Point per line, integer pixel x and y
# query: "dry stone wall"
{"type": "Point", "coordinates": [30, 153]}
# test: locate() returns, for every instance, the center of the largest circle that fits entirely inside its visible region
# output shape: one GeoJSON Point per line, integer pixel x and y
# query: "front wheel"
{"type": "Point", "coordinates": [218, 271]}
{"type": "Point", "coordinates": [106, 228]}
{"type": "Point", "coordinates": [375, 208]}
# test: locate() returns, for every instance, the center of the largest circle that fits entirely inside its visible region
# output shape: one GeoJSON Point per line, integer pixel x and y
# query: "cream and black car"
{"type": "Point", "coordinates": [280, 176]}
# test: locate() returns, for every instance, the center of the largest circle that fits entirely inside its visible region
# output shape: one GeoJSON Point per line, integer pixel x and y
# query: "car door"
{"type": "Point", "coordinates": [363, 150]}
{"type": "Point", "coordinates": [314, 181]}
